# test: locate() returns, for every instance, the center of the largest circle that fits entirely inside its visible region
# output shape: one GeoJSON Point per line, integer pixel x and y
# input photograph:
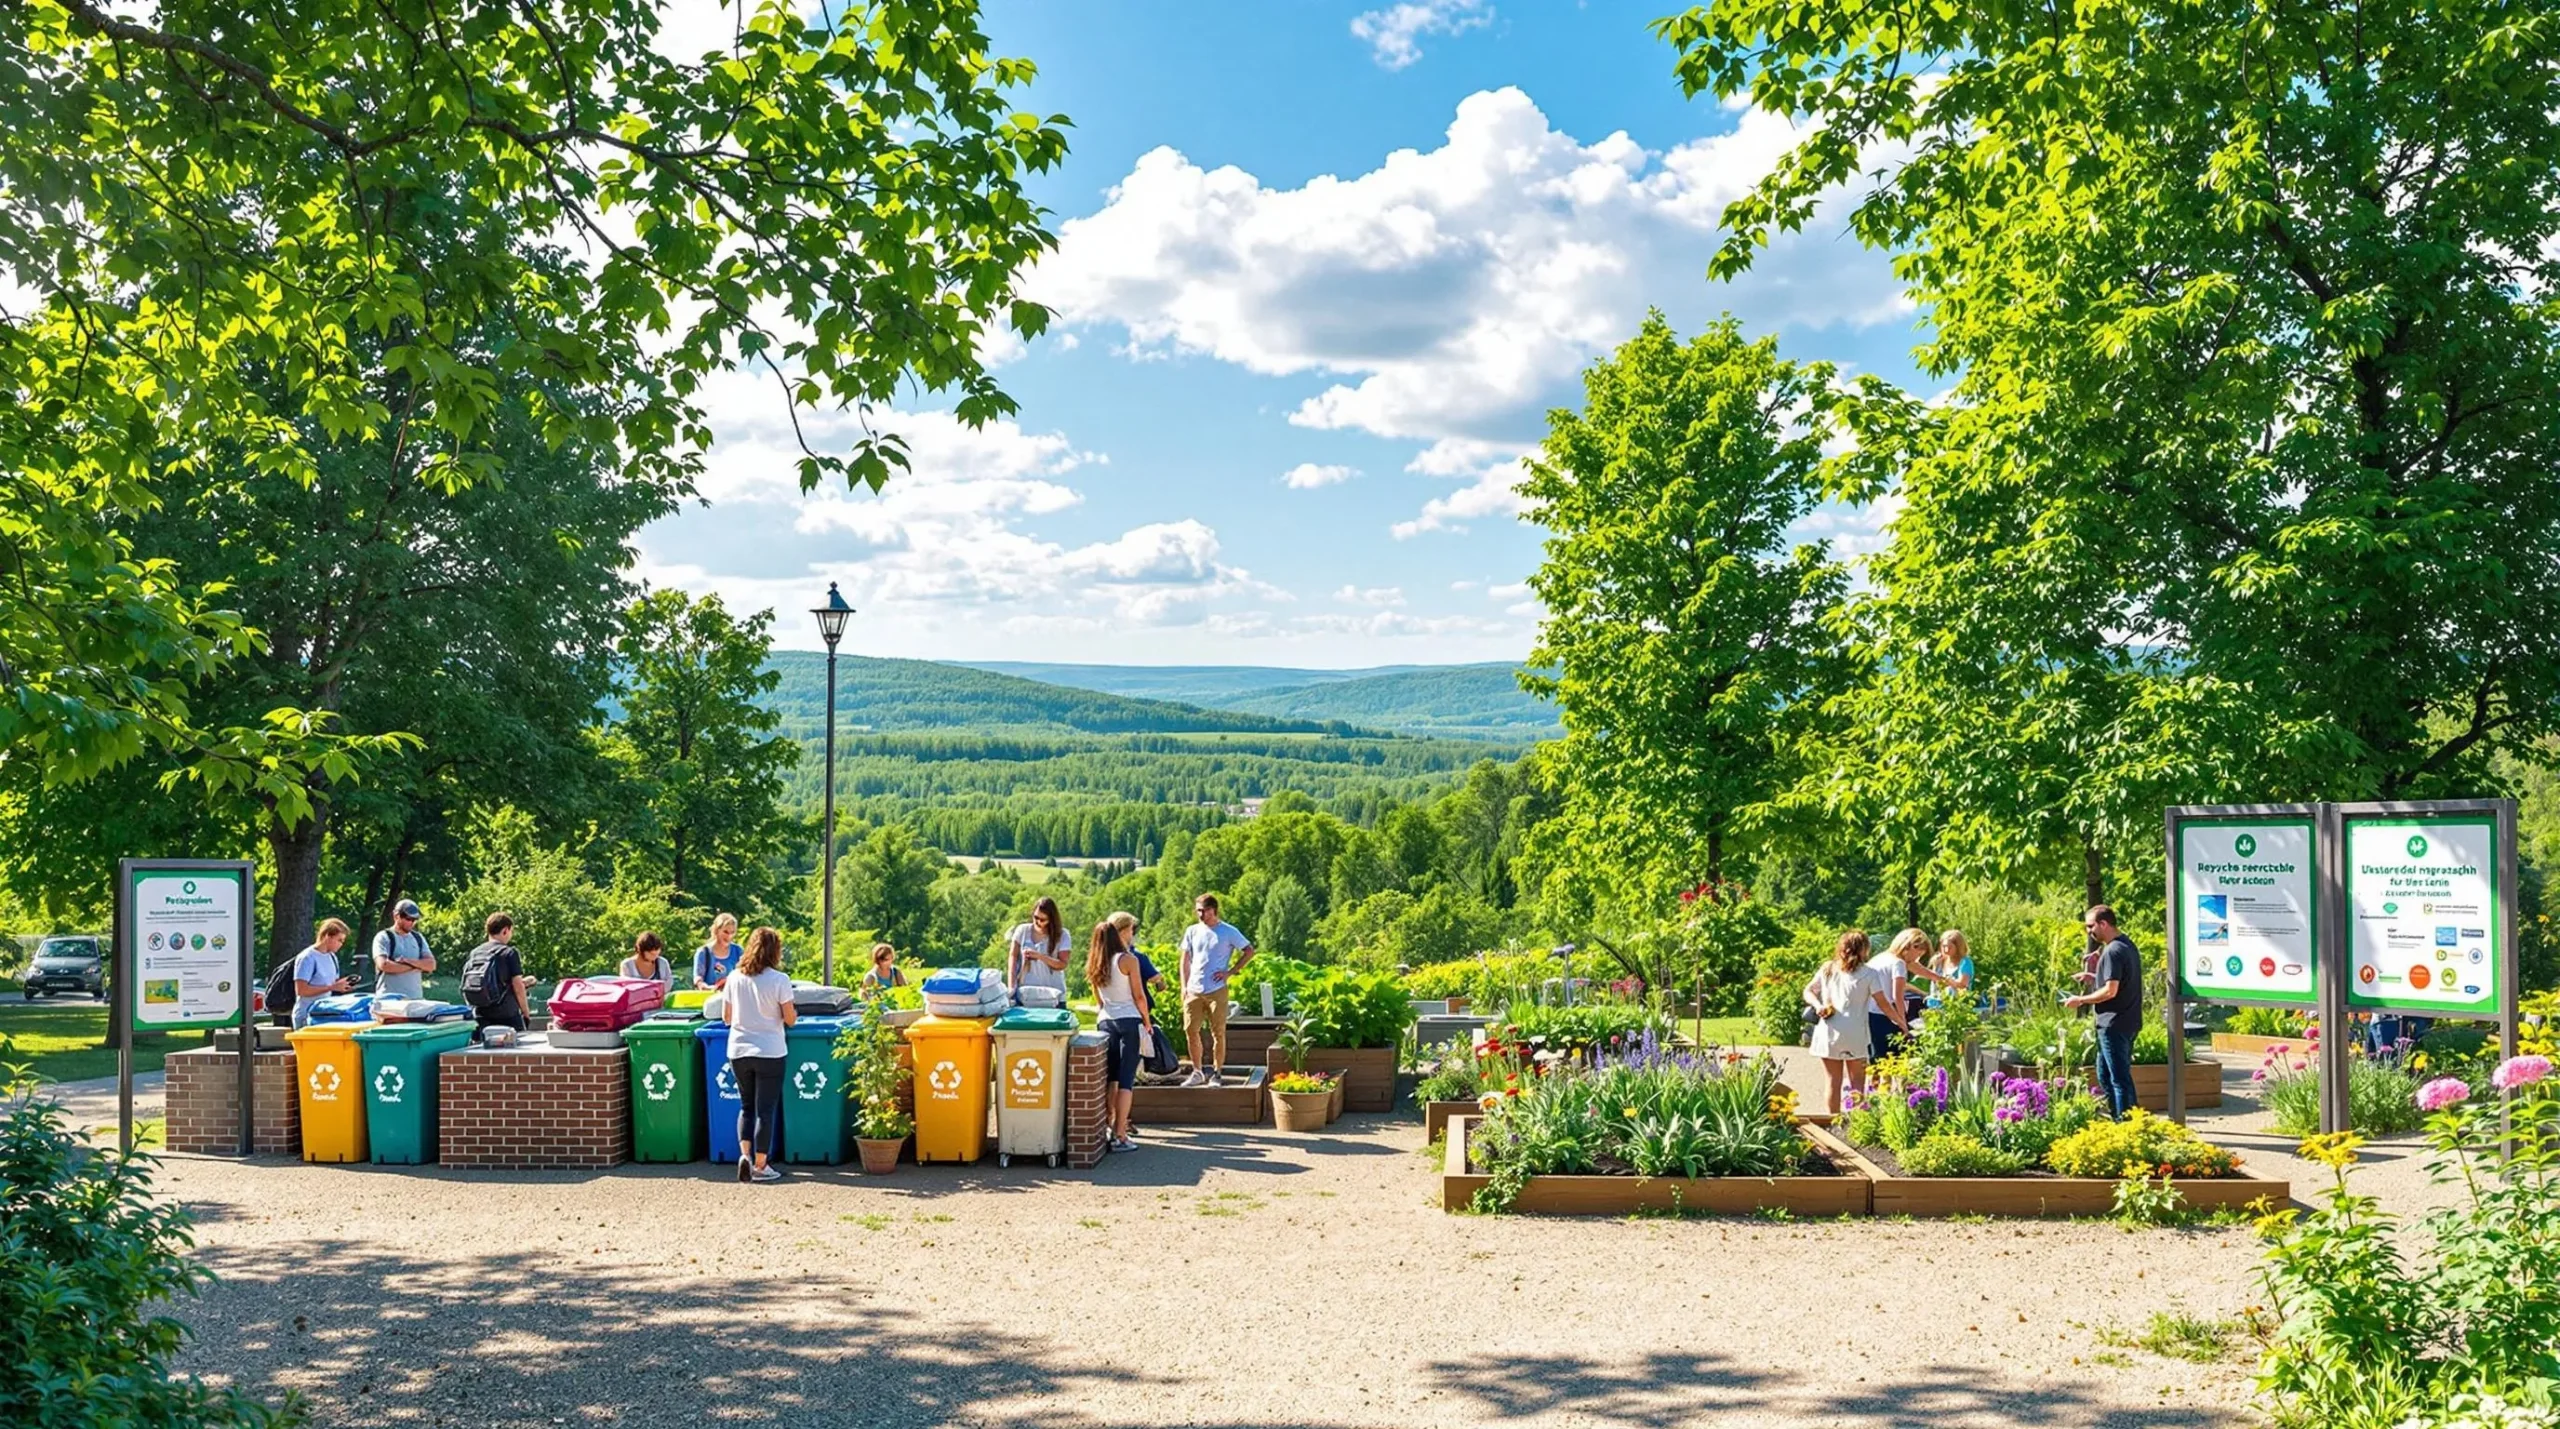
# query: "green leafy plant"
{"type": "Point", "coordinates": [1348, 1009]}
{"type": "Point", "coordinates": [2381, 1096]}
{"type": "Point", "coordinates": [1956, 1153]}
{"type": "Point", "coordinates": [1657, 1115]}
{"type": "Point", "coordinates": [2140, 1145]}
{"type": "Point", "coordinates": [871, 1045]}
{"type": "Point", "coordinates": [2145, 1200]}
{"type": "Point", "coordinates": [1294, 1040]}
{"type": "Point", "coordinates": [1946, 1035]}
{"type": "Point", "coordinates": [2266, 1022]}
{"type": "Point", "coordinates": [1607, 1025]}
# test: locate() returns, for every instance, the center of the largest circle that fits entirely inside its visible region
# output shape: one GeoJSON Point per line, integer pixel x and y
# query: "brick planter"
{"type": "Point", "coordinates": [1370, 1083]}
{"type": "Point", "coordinates": [534, 1108]}
{"type": "Point", "coordinates": [1088, 1099]}
{"type": "Point", "coordinates": [202, 1103]}
{"type": "Point", "coordinates": [1238, 1103]}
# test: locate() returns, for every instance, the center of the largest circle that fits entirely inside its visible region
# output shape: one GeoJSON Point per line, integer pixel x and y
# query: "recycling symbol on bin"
{"type": "Point", "coordinates": [728, 1082]}
{"type": "Point", "coordinates": [659, 1082]}
{"type": "Point", "coordinates": [1029, 1073]}
{"type": "Point", "coordinates": [324, 1081]}
{"type": "Point", "coordinates": [945, 1077]}
{"type": "Point", "coordinates": [388, 1084]}
{"type": "Point", "coordinates": [809, 1079]}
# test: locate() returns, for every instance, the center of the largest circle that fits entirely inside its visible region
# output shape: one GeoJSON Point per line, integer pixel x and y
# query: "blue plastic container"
{"type": "Point", "coordinates": [720, 1096]}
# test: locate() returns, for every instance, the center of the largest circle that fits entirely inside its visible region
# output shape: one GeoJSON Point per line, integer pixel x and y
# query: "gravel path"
{"type": "Point", "coordinates": [1216, 1277]}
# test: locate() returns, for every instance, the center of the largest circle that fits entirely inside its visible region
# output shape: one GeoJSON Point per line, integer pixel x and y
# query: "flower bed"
{"type": "Point", "coordinates": [2034, 1192]}
{"type": "Point", "coordinates": [1827, 1186]}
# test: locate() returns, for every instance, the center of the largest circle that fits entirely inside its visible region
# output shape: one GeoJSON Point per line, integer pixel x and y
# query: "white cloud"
{"type": "Point", "coordinates": [1370, 595]}
{"type": "Point", "coordinates": [1307, 476]}
{"type": "Point", "coordinates": [1392, 32]}
{"type": "Point", "coordinates": [1450, 296]}
{"type": "Point", "coordinates": [1494, 491]}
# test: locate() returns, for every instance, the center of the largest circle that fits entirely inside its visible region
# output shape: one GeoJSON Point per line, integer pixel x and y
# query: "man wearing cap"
{"type": "Point", "coordinates": [401, 961]}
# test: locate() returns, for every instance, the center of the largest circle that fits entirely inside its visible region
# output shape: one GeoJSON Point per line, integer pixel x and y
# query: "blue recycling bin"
{"type": "Point", "coordinates": [720, 1097]}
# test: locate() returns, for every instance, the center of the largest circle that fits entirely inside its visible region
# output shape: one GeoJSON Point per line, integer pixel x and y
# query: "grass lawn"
{"type": "Point", "coordinates": [67, 1041]}
{"type": "Point", "coordinates": [1726, 1032]}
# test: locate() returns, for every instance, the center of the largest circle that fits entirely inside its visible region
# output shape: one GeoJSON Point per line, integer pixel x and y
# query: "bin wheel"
{"type": "Point", "coordinates": [1053, 1160]}
{"type": "Point", "coordinates": [1004, 1158]}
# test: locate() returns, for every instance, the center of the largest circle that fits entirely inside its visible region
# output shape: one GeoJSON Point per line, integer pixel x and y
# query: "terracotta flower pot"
{"type": "Point", "coordinates": [880, 1155]}
{"type": "Point", "coordinates": [1300, 1111]}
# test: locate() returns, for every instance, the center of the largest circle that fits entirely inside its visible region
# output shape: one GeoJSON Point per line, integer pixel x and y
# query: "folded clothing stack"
{"type": "Point", "coordinates": [966, 992]}
{"type": "Point", "coordinates": [1048, 999]}
{"type": "Point", "coordinates": [417, 1009]}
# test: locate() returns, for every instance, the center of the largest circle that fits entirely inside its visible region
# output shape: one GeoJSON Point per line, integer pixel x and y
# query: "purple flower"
{"type": "Point", "coordinates": [2520, 1072]}
{"type": "Point", "coordinates": [2441, 1093]}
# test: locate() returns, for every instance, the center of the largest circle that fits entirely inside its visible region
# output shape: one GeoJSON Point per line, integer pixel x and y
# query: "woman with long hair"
{"type": "Point", "coordinates": [649, 960]}
{"type": "Point", "coordinates": [759, 1011]}
{"type": "Point", "coordinates": [1111, 965]}
{"type": "Point", "coordinates": [884, 972]}
{"type": "Point", "coordinates": [716, 959]}
{"type": "Point", "coordinates": [1846, 996]}
{"type": "Point", "coordinates": [1907, 950]}
{"type": "Point", "coordinates": [1951, 967]}
{"type": "Point", "coordinates": [1038, 951]}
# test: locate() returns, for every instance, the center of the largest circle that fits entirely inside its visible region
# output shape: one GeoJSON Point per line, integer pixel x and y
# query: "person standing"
{"type": "Point", "coordinates": [759, 1012]}
{"type": "Point", "coordinates": [493, 980]}
{"type": "Point", "coordinates": [1038, 950]}
{"type": "Point", "coordinates": [1213, 951]}
{"type": "Point", "coordinates": [401, 961]}
{"type": "Point", "coordinates": [1111, 965]}
{"type": "Point", "coordinates": [717, 958]}
{"type": "Point", "coordinates": [649, 961]}
{"type": "Point", "coordinates": [1909, 949]}
{"type": "Point", "coordinates": [315, 970]}
{"type": "Point", "coordinates": [1848, 995]}
{"type": "Point", "coordinates": [1951, 968]}
{"type": "Point", "coordinates": [884, 972]}
{"type": "Point", "coordinates": [2115, 1001]}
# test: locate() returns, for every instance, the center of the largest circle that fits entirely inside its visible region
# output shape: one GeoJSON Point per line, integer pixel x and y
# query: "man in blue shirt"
{"type": "Point", "coordinates": [1213, 951]}
{"type": "Point", "coordinates": [315, 972]}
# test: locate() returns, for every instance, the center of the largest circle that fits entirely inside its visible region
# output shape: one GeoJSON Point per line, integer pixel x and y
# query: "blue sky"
{"type": "Point", "coordinates": [1322, 270]}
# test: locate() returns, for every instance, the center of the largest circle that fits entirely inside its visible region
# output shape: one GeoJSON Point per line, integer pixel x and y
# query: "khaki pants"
{"type": "Point", "coordinates": [1204, 1021]}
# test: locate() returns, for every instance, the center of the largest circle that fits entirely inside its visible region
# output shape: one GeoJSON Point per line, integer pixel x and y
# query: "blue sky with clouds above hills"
{"type": "Point", "coordinates": [1322, 270]}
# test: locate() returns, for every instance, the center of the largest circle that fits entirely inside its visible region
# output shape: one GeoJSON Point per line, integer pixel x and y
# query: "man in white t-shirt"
{"type": "Point", "coordinates": [1212, 952]}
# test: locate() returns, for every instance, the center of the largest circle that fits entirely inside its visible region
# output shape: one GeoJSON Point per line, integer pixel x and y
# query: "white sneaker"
{"type": "Point", "coordinates": [1197, 1078]}
{"type": "Point", "coordinates": [1217, 1079]}
{"type": "Point", "coordinates": [1123, 1144]}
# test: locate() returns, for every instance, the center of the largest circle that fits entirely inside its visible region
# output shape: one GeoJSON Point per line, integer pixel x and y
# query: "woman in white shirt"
{"type": "Point", "coordinates": [1112, 967]}
{"type": "Point", "coordinates": [1843, 995]}
{"type": "Point", "coordinates": [1039, 951]}
{"type": "Point", "coordinates": [758, 1010]}
{"type": "Point", "coordinates": [1909, 949]}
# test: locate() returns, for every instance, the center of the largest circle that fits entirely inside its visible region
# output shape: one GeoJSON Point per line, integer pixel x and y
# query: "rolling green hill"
{"type": "Point", "coordinates": [1212, 685]}
{"type": "Point", "coordinates": [1446, 701]}
{"type": "Point", "coordinates": [903, 695]}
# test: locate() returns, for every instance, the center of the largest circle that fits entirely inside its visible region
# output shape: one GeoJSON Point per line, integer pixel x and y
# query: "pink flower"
{"type": "Point", "coordinates": [2520, 1072]}
{"type": "Point", "coordinates": [2441, 1093]}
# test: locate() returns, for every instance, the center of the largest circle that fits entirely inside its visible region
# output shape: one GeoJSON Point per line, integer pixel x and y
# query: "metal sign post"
{"type": "Point", "coordinates": [183, 959]}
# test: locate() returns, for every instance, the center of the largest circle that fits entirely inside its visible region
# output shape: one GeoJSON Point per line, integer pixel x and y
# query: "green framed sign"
{"type": "Point", "coordinates": [2244, 894]}
{"type": "Point", "coordinates": [2426, 914]}
{"type": "Point", "coordinates": [186, 941]}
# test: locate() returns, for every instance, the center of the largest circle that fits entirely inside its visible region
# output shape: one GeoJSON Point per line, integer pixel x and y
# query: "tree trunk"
{"type": "Point", "coordinates": [297, 893]}
{"type": "Point", "coordinates": [1911, 900]}
{"type": "Point", "coordinates": [2093, 869]}
{"type": "Point", "coordinates": [1715, 849]}
{"type": "Point", "coordinates": [368, 912]}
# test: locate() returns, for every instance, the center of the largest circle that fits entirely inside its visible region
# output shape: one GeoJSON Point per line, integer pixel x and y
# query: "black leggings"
{"type": "Point", "coordinates": [759, 1102]}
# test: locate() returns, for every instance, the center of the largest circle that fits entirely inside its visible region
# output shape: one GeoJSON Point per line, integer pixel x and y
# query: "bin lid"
{"type": "Point", "coordinates": [826, 1027]}
{"type": "Point", "coordinates": [1037, 1019]}
{"type": "Point", "coordinates": [931, 1026]}
{"type": "Point", "coordinates": [454, 1031]}
{"type": "Point", "coordinates": [329, 1032]}
{"type": "Point", "coordinates": [663, 1031]}
{"type": "Point", "coordinates": [706, 1030]}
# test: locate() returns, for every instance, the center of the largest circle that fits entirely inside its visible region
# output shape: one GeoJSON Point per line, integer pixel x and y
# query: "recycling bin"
{"type": "Point", "coordinates": [951, 1087]}
{"type": "Point", "coordinates": [1031, 1083]}
{"type": "Point", "coordinates": [818, 1131]}
{"type": "Point", "coordinates": [400, 1086]}
{"type": "Point", "coordinates": [666, 1090]}
{"type": "Point", "coordinates": [720, 1095]}
{"type": "Point", "coordinates": [329, 1068]}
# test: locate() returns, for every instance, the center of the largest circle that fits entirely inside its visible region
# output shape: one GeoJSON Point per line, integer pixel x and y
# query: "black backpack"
{"type": "Point", "coordinates": [280, 993]}
{"type": "Point", "coordinates": [479, 989]}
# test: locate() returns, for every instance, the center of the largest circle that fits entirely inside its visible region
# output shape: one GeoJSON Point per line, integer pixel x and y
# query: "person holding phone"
{"type": "Point", "coordinates": [315, 970]}
{"type": "Point", "coordinates": [1039, 951]}
{"type": "Point", "coordinates": [716, 959]}
{"type": "Point", "coordinates": [1844, 995]}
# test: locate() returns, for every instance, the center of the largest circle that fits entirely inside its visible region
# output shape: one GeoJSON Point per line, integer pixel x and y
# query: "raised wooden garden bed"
{"type": "Point", "coordinates": [1249, 1037]}
{"type": "Point", "coordinates": [1845, 1194]}
{"type": "Point", "coordinates": [2151, 1083]}
{"type": "Point", "coordinates": [1369, 1073]}
{"type": "Point", "coordinates": [1238, 1103]}
{"type": "Point", "coordinates": [2030, 1195]}
{"type": "Point", "coordinates": [1435, 1117]}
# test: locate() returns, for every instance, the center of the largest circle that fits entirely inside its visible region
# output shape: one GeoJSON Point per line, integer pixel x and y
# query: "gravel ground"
{"type": "Point", "coordinates": [1220, 1277]}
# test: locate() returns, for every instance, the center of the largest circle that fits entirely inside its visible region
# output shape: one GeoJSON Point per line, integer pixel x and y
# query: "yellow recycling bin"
{"type": "Point", "coordinates": [951, 1086]}
{"type": "Point", "coordinates": [329, 1066]}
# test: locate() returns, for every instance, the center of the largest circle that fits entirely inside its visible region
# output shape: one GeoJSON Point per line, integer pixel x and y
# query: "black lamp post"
{"type": "Point", "coordinates": [831, 619]}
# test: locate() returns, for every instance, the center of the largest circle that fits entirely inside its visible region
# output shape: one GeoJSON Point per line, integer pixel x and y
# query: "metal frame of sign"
{"type": "Point", "coordinates": [121, 1009]}
{"type": "Point", "coordinates": [2332, 922]}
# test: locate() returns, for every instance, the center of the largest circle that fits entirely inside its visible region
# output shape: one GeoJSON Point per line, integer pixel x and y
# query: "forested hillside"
{"type": "Point", "coordinates": [879, 694]}
{"type": "Point", "coordinates": [1213, 685]}
{"type": "Point", "coordinates": [1456, 701]}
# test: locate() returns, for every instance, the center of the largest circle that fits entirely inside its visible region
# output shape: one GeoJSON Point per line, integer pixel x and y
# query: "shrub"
{"type": "Point", "coordinates": [1777, 985]}
{"type": "Point", "coordinates": [2266, 1022]}
{"type": "Point", "coordinates": [2382, 1097]}
{"type": "Point", "coordinates": [2140, 1145]}
{"type": "Point", "coordinates": [1648, 1112]}
{"type": "Point", "coordinates": [1953, 1153]}
{"type": "Point", "coordinates": [1581, 1027]}
{"type": "Point", "coordinates": [89, 1263]}
{"type": "Point", "coordinates": [1495, 979]}
{"type": "Point", "coordinates": [1348, 1009]}
{"type": "Point", "coordinates": [872, 1046]}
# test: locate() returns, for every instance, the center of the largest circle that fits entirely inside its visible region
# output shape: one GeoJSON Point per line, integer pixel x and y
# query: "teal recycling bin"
{"type": "Point", "coordinates": [400, 1061]}
{"type": "Point", "coordinates": [818, 1128]}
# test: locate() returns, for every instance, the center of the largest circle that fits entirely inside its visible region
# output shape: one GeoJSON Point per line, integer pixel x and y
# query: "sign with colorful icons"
{"type": "Point", "coordinates": [2424, 921]}
{"type": "Point", "coordinates": [179, 926]}
{"type": "Point", "coordinates": [2243, 892]}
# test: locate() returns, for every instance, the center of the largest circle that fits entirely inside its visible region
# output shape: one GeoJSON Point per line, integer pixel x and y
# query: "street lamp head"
{"type": "Point", "coordinates": [832, 616]}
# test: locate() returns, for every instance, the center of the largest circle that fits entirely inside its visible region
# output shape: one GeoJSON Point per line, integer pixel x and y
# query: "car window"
{"type": "Point", "coordinates": [69, 948]}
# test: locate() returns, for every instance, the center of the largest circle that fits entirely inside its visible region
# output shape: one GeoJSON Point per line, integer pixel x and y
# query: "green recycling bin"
{"type": "Point", "coordinates": [400, 1086]}
{"type": "Point", "coordinates": [666, 1089]}
{"type": "Point", "coordinates": [817, 1125]}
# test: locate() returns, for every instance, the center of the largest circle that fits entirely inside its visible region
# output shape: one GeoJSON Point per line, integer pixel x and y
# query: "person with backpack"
{"type": "Point", "coordinates": [315, 970]}
{"type": "Point", "coordinates": [493, 980]}
{"type": "Point", "coordinates": [401, 960]}
{"type": "Point", "coordinates": [716, 959]}
{"type": "Point", "coordinates": [759, 1011]}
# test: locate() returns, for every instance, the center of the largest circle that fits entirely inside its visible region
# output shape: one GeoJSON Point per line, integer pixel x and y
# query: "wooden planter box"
{"type": "Point", "coordinates": [2151, 1083]}
{"type": "Point", "coordinates": [1333, 1103]}
{"type": "Point", "coordinates": [2033, 1195]}
{"type": "Point", "coordinates": [2252, 1045]}
{"type": "Point", "coordinates": [1238, 1103]}
{"type": "Point", "coordinates": [1435, 1117]}
{"type": "Point", "coordinates": [1844, 1195]}
{"type": "Point", "coordinates": [1368, 1073]}
{"type": "Point", "coordinates": [1248, 1038]}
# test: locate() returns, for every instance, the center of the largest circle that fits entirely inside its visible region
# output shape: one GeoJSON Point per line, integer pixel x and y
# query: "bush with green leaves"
{"type": "Point", "coordinates": [1954, 1153]}
{"type": "Point", "coordinates": [2267, 1022]}
{"type": "Point", "coordinates": [1585, 1026]}
{"type": "Point", "coordinates": [1649, 1113]}
{"type": "Point", "coordinates": [2139, 1145]}
{"type": "Point", "coordinates": [1494, 979]}
{"type": "Point", "coordinates": [90, 1263]}
{"type": "Point", "coordinates": [1777, 984]}
{"type": "Point", "coordinates": [2381, 1096]}
{"type": "Point", "coordinates": [1348, 1009]}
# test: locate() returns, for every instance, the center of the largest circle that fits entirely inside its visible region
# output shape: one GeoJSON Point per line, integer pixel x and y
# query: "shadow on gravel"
{"type": "Point", "coordinates": [377, 1335]}
{"type": "Point", "coordinates": [1680, 1388]}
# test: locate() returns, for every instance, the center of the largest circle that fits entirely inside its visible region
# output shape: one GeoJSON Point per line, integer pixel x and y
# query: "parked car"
{"type": "Point", "coordinates": [69, 965]}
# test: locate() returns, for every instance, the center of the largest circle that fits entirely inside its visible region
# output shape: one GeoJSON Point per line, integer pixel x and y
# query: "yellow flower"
{"type": "Point", "coordinates": [2417, 1061]}
{"type": "Point", "coordinates": [2336, 1150]}
{"type": "Point", "coordinates": [1626, 1111]}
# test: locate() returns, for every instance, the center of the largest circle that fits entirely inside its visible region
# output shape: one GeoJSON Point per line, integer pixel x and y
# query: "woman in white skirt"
{"type": "Point", "coordinates": [1841, 995]}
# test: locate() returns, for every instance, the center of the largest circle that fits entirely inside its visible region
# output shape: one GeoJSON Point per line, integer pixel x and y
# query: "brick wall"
{"type": "Point", "coordinates": [1088, 1123]}
{"type": "Point", "coordinates": [534, 1108]}
{"type": "Point", "coordinates": [201, 1100]}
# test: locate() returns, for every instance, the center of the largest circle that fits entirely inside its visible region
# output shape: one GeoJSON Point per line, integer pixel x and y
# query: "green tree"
{"type": "Point", "coordinates": [1683, 628]}
{"type": "Point", "coordinates": [697, 748]}
{"type": "Point", "coordinates": [885, 883]}
{"type": "Point", "coordinates": [231, 229]}
{"type": "Point", "coordinates": [1287, 922]}
{"type": "Point", "coordinates": [2242, 486]}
